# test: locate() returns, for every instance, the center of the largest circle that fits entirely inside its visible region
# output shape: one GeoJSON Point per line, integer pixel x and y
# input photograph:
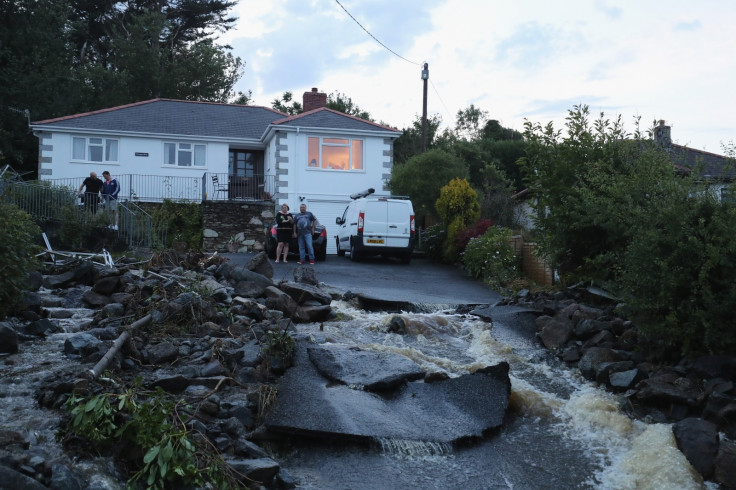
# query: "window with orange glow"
{"type": "Point", "coordinates": [335, 153]}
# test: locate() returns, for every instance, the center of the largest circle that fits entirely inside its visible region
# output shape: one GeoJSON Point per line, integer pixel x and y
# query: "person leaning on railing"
{"type": "Point", "coordinates": [110, 191]}
{"type": "Point", "coordinates": [92, 187]}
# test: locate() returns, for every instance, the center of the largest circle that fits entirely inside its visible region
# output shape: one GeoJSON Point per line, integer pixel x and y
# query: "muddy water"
{"type": "Point", "coordinates": [561, 432]}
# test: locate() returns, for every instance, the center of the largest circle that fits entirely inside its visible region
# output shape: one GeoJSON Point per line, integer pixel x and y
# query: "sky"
{"type": "Point", "coordinates": [526, 60]}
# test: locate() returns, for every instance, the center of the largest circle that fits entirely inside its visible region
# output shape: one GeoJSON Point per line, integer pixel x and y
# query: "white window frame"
{"type": "Point", "coordinates": [84, 149]}
{"type": "Point", "coordinates": [350, 145]}
{"type": "Point", "coordinates": [186, 154]}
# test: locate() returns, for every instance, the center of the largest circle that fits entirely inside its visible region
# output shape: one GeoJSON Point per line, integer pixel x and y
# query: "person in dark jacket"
{"type": "Point", "coordinates": [110, 191]}
{"type": "Point", "coordinates": [92, 187]}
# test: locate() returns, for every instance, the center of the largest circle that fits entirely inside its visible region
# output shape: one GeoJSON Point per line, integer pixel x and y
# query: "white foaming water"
{"type": "Point", "coordinates": [412, 449]}
{"type": "Point", "coordinates": [628, 454]}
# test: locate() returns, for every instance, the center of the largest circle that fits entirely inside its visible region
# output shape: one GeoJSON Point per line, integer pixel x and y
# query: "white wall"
{"type": "Point", "coordinates": [58, 148]}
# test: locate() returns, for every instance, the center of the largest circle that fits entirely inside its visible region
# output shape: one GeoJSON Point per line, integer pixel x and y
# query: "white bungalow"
{"type": "Point", "coordinates": [177, 149]}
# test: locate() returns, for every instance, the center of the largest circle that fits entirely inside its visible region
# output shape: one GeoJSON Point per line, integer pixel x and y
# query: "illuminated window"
{"type": "Point", "coordinates": [335, 153]}
{"type": "Point", "coordinates": [95, 149]}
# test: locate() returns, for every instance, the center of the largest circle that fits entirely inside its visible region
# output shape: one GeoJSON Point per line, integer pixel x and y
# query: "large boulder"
{"type": "Point", "coordinates": [698, 440]}
{"type": "Point", "coordinates": [8, 339]}
{"type": "Point", "coordinates": [303, 293]}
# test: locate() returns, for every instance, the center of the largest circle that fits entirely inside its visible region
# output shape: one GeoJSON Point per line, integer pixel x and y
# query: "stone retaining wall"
{"type": "Point", "coordinates": [244, 220]}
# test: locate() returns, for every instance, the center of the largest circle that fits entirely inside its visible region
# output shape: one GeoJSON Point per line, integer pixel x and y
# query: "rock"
{"type": "Point", "coordinates": [591, 360]}
{"type": "Point", "coordinates": [604, 369]}
{"type": "Point", "coordinates": [716, 367]}
{"type": "Point", "coordinates": [8, 339]}
{"type": "Point", "coordinates": [553, 332]}
{"type": "Point", "coordinates": [39, 328]}
{"type": "Point", "coordinates": [172, 384]}
{"type": "Point", "coordinates": [94, 299]}
{"type": "Point", "coordinates": [62, 478]}
{"type": "Point", "coordinates": [122, 298]}
{"type": "Point", "coordinates": [302, 293]}
{"type": "Point", "coordinates": [12, 479]}
{"type": "Point", "coordinates": [698, 441]}
{"type": "Point", "coordinates": [260, 264]}
{"type": "Point", "coordinates": [249, 289]}
{"type": "Point", "coordinates": [261, 469]}
{"type": "Point", "coordinates": [371, 370]}
{"type": "Point", "coordinates": [82, 344]}
{"type": "Point", "coordinates": [305, 275]}
{"type": "Point", "coordinates": [35, 280]}
{"type": "Point", "coordinates": [588, 327]}
{"type": "Point", "coordinates": [242, 274]}
{"type": "Point", "coordinates": [162, 352]}
{"type": "Point", "coordinates": [397, 324]}
{"type": "Point", "coordinates": [308, 314]}
{"type": "Point", "coordinates": [213, 368]}
{"type": "Point", "coordinates": [58, 281]}
{"type": "Point", "coordinates": [725, 465]}
{"type": "Point", "coordinates": [113, 310]}
{"type": "Point", "coordinates": [623, 380]}
{"type": "Point", "coordinates": [659, 391]}
{"type": "Point", "coordinates": [106, 286]}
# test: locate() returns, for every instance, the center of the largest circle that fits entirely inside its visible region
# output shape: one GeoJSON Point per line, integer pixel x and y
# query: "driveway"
{"type": "Point", "coordinates": [421, 282]}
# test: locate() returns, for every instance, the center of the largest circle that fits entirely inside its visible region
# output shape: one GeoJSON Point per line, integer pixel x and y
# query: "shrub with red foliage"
{"type": "Point", "coordinates": [478, 229]}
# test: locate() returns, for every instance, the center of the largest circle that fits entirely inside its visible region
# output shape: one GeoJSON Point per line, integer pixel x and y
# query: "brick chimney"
{"type": "Point", "coordinates": [663, 135]}
{"type": "Point", "coordinates": [314, 100]}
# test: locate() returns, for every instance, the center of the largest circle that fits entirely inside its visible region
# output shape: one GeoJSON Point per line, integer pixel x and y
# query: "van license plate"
{"type": "Point", "coordinates": [378, 241]}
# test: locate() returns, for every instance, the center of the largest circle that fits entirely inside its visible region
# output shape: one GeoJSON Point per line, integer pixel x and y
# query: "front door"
{"type": "Point", "coordinates": [245, 170]}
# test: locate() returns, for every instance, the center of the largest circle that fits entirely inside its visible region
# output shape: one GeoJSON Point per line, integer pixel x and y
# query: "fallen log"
{"type": "Point", "coordinates": [119, 342]}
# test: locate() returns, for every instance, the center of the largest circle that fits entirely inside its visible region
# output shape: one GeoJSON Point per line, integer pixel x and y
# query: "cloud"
{"type": "Point", "coordinates": [533, 45]}
{"type": "Point", "coordinates": [609, 11]}
{"type": "Point", "coordinates": [688, 26]}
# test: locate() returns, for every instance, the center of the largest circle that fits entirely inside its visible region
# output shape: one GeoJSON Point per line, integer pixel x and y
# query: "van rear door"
{"type": "Point", "coordinates": [387, 223]}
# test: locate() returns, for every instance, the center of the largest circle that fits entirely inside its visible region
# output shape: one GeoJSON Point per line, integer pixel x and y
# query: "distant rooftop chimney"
{"type": "Point", "coordinates": [314, 100]}
{"type": "Point", "coordinates": [663, 135]}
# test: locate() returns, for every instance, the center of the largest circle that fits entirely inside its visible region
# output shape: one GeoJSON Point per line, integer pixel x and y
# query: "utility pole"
{"type": "Point", "coordinates": [425, 77]}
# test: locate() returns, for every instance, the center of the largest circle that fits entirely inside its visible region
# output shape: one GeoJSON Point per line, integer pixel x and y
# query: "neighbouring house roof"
{"type": "Point", "coordinates": [204, 119]}
{"type": "Point", "coordinates": [709, 165]}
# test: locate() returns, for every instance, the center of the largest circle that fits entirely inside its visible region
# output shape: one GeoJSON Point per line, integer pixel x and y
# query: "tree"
{"type": "Point", "coordinates": [422, 177]}
{"type": "Point", "coordinates": [409, 143]}
{"type": "Point", "coordinates": [342, 103]}
{"type": "Point", "coordinates": [469, 123]}
{"type": "Point", "coordinates": [458, 207]}
{"type": "Point", "coordinates": [287, 105]}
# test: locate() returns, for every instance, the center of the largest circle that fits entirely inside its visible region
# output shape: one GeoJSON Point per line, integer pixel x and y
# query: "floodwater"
{"type": "Point", "coordinates": [561, 432]}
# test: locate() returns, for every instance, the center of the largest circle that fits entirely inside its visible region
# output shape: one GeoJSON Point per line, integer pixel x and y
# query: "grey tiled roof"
{"type": "Point", "coordinates": [708, 165]}
{"type": "Point", "coordinates": [330, 119]}
{"type": "Point", "coordinates": [174, 117]}
{"type": "Point", "coordinates": [177, 117]}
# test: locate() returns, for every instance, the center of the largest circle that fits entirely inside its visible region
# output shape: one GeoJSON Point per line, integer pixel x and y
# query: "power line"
{"type": "Point", "coordinates": [439, 97]}
{"type": "Point", "coordinates": [374, 37]}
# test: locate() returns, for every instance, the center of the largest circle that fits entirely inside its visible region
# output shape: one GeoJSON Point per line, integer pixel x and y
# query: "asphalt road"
{"type": "Point", "coordinates": [421, 282]}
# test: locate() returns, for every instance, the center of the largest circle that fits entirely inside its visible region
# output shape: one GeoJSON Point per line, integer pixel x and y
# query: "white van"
{"type": "Point", "coordinates": [376, 225]}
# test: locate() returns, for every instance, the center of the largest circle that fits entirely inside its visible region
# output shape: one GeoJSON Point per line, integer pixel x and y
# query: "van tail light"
{"type": "Point", "coordinates": [361, 220]}
{"type": "Point", "coordinates": [411, 225]}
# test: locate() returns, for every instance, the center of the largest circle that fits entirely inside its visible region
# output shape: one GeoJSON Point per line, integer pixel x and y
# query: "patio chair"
{"type": "Point", "coordinates": [217, 186]}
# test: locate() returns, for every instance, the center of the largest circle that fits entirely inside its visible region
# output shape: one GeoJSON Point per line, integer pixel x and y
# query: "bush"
{"type": "Point", "coordinates": [180, 221]}
{"type": "Point", "coordinates": [18, 234]}
{"type": "Point", "coordinates": [491, 257]}
{"type": "Point", "coordinates": [458, 206]}
{"type": "Point", "coordinates": [678, 275]}
{"type": "Point", "coordinates": [432, 239]}
{"type": "Point", "coordinates": [474, 231]}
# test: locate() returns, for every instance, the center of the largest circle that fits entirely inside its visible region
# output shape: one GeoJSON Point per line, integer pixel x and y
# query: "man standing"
{"type": "Point", "coordinates": [92, 187]}
{"type": "Point", "coordinates": [110, 191]}
{"type": "Point", "coordinates": [304, 224]}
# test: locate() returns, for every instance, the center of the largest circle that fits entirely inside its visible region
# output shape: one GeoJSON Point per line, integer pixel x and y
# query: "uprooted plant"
{"type": "Point", "coordinates": [150, 430]}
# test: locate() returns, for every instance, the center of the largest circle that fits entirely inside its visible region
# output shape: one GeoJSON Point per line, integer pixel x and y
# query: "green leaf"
{"type": "Point", "coordinates": [167, 452]}
{"type": "Point", "coordinates": [151, 454]}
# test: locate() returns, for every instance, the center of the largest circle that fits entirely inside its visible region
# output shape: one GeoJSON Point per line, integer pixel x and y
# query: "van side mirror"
{"type": "Point", "coordinates": [339, 221]}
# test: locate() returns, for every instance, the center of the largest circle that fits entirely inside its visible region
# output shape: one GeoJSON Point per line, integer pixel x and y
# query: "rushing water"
{"type": "Point", "coordinates": [561, 432]}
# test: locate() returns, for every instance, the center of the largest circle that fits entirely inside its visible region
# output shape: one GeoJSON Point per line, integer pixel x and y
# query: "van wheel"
{"type": "Point", "coordinates": [353, 253]}
{"type": "Point", "coordinates": [340, 252]}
